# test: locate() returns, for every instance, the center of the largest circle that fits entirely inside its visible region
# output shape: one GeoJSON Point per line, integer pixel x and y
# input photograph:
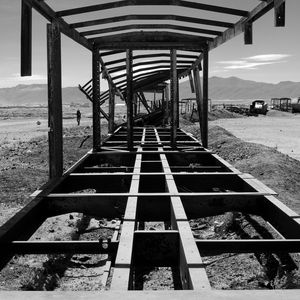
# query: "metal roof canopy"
{"type": "Point", "coordinates": [108, 29]}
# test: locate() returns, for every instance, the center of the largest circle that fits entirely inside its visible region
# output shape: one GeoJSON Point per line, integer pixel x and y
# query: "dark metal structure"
{"type": "Point", "coordinates": [155, 174]}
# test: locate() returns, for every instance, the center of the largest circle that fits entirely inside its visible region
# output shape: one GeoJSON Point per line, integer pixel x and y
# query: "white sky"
{"type": "Point", "coordinates": [273, 57]}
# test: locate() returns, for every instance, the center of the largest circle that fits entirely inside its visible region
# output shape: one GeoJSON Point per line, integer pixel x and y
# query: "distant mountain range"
{"type": "Point", "coordinates": [235, 88]}
{"type": "Point", "coordinates": [36, 94]}
{"type": "Point", "coordinates": [219, 88]}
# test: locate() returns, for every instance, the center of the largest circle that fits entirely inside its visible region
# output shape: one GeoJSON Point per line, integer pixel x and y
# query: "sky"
{"type": "Point", "coordinates": [273, 57]}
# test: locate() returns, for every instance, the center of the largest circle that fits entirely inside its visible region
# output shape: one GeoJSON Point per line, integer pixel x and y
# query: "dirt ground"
{"type": "Point", "coordinates": [23, 169]}
{"type": "Point", "coordinates": [278, 130]}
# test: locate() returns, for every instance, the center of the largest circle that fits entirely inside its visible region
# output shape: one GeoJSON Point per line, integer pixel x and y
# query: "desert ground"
{"type": "Point", "coordinates": [279, 130]}
{"type": "Point", "coordinates": [24, 168]}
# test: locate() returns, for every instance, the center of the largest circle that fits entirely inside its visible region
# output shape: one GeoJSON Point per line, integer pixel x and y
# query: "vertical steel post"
{"type": "Point", "coordinates": [96, 101]}
{"type": "Point", "coordinates": [129, 98]}
{"type": "Point", "coordinates": [26, 40]}
{"type": "Point", "coordinates": [177, 102]}
{"type": "Point", "coordinates": [199, 97]}
{"type": "Point", "coordinates": [174, 106]}
{"type": "Point", "coordinates": [167, 108]}
{"type": "Point", "coordinates": [55, 123]}
{"type": "Point", "coordinates": [205, 97]}
{"type": "Point", "coordinates": [111, 123]}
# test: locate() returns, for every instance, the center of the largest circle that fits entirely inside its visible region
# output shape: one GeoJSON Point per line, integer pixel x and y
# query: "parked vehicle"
{"type": "Point", "coordinates": [259, 107]}
{"type": "Point", "coordinates": [283, 104]}
{"type": "Point", "coordinates": [296, 105]}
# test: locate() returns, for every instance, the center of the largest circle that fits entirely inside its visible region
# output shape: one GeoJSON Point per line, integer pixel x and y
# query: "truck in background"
{"type": "Point", "coordinates": [259, 107]}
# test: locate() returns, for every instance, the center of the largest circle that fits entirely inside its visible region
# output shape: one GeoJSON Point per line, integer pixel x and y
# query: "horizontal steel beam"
{"type": "Point", "coordinates": [248, 246]}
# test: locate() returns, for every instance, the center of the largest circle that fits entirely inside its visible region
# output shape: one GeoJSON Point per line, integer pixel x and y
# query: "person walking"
{"type": "Point", "coordinates": [78, 114]}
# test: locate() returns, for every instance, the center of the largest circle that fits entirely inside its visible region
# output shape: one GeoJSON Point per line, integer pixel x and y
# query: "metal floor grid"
{"type": "Point", "coordinates": [152, 183]}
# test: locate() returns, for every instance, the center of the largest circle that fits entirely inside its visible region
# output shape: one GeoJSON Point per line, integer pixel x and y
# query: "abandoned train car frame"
{"type": "Point", "coordinates": [148, 166]}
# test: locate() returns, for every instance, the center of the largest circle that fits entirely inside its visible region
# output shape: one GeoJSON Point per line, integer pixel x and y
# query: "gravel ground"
{"type": "Point", "coordinates": [278, 130]}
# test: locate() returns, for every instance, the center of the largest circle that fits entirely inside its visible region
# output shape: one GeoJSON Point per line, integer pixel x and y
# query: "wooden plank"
{"type": "Point", "coordinates": [26, 39]}
{"type": "Point", "coordinates": [129, 100]}
{"type": "Point", "coordinates": [55, 122]}
{"type": "Point", "coordinates": [96, 104]}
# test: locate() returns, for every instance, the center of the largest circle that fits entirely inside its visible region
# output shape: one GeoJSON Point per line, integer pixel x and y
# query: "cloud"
{"type": "Point", "coordinates": [254, 62]}
{"type": "Point", "coordinates": [16, 79]}
{"type": "Point", "coordinates": [36, 77]}
{"type": "Point", "coordinates": [268, 57]}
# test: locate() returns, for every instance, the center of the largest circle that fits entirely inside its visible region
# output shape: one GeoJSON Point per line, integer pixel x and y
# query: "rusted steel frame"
{"type": "Point", "coordinates": [57, 198]}
{"type": "Point", "coordinates": [159, 39]}
{"type": "Point", "coordinates": [110, 79]}
{"type": "Point", "coordinates": [199, 97]}
{"type": "Point", "coordinates": [173, 96]}
{"type": "Point", "coordinates": [55, 122]}
{"type": "Point", "coordinates": [181, 3]}
{"type": "Point", "coordinates": [21, 226]}
{"type": "Point", "coordinates": [138, 77]}
{"type": "Point", "coordinates": [239, 27]}
{"type": "Point", "coordinates": [248, 33]}
{"type": "Point", "coordinates": [184, 45]}
{"type": "Point", "coordinates": [151, 81]}
{"type": "Point", "coordinates": [205, 98]}
{"type": "Point", "coordinates": [111, 122]}
{"type": "Point", "coordinates": [145, 63]}
{"type": "Point", "coordinates": [46, 11]}
{"type": "Point", "coordinates": [90, 97]}
{"type": "Point", "coordinates": [279, 11]}
{"type": "Point", "coordinates": [282, 218]}
{"type": "Point", "coordinates": [248, 246]}
{"type": "Point", "coordinates": [151, 17]}
{"type": "Point", "coordinates": [85, 85]}
{"type": "Point", "coordinates": [123, 262]}
{"type": "Point", "coordinates": [144, 101]}
{"type": "Point", "coordinates": [26, 39]}
{"type": "Point", "coordinates": [152, 26]}
{"type": "Point", "coordinates": [167, 104]}
{"type": "Point", "coordinates": [108, 53]}
{"type": "Point", "coordinates": [192, 271]}
{"type": "Point", "coordinates": [144, 69]}
{"type": "Point", "coordinates": [192, 85]}
{"type": "Point", "coordinates": [129, 98]}
{"type": "Point", "coordinates": [96, 101]}
{"type": "Point", "coordinates": [59, 247]}
{"type": "Point", "coordinates": [123, 60]}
